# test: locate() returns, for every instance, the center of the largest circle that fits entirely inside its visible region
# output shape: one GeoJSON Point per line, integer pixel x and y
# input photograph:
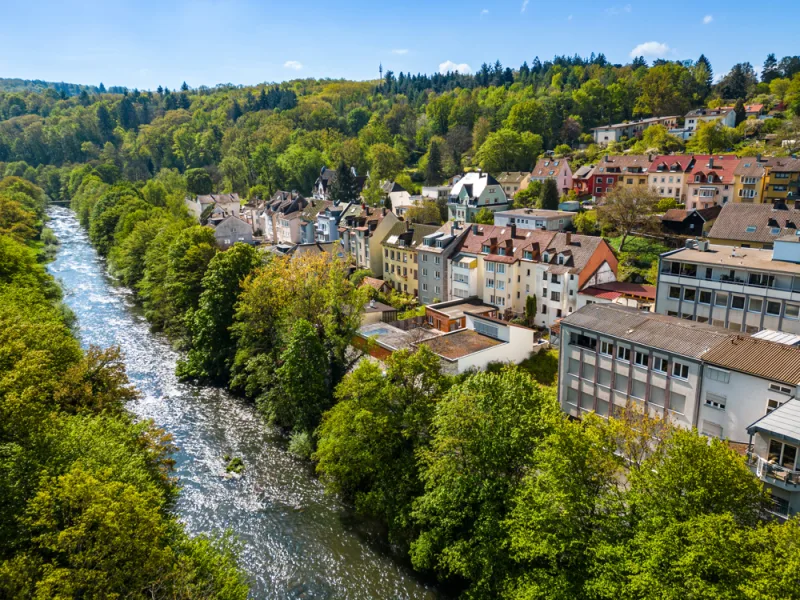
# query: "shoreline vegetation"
{"type": "Point", "coordinates": [86, 492]}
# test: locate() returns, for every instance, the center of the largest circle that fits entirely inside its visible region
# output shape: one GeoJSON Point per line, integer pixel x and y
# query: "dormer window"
{"type": "Point", "coordinates": [561, 259]}
{"type": "Point", "coordinates": [502, 251]}
{"type": "Point", "coordinates": [546, 257]}
{"type": "Point", "coordinates": [527, 255]}
{"type": "Point", "coordinates": [697, 178]}
{"type": "Point", "coordinates": [485, 249]}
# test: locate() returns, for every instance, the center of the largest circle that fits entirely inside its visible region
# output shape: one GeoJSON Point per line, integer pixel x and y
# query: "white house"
{"type": "Point", "coordinates": [473, 192]}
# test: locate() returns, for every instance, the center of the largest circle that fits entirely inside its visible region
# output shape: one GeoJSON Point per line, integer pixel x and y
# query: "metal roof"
{"type": "Point", "coordinates": [768, 360]}
{"type": "Point", "coordinates": [782, 423]}
{"type": "Point", "coordinates": [778, 337]}
{"type": "Point", "coordinates": [652, 330]}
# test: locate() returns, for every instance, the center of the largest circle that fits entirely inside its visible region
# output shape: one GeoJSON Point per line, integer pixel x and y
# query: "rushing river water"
{"type": "Point", "coordinates": [298, 542]}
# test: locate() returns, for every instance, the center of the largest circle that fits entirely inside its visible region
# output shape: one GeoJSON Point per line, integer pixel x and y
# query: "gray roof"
{"type": "Point", "coordinates": [770, 223]}
{"type": "Point", "coordinates": [782, 423]}
{"type": "Point", "coordinates": [671, 334]}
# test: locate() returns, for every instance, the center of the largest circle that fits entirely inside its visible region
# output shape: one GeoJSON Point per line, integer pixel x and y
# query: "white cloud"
{"type": "Point", "coordinates": [400, 51]}
{"type": "Point", "coordinates": [293, 64]}
{"type": "Point", "coordinates": [524, 5]}
{"type": "Point", "coordinates": [485, 11]}
{"type": "Point", "coordinates": [707, 19]}
{"type": "Point", "coordinates": [618, 10]}
{"type": "Point", "coordinates": [651, 50]}
{"type": "Point", "coordinates": [451, 67]}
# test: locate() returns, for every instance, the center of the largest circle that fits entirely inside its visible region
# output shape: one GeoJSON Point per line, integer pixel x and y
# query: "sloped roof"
{"type": "Point", "coordinates": [622, 288]}
{"type": "Point", "coordinates": [722, 166]}
{"type": "Point", "coordinates": [762, 358]}
{"type": "Point", "coordinates": [477, 182]}
{"type": "Point", "coordinates": [672, 334]}
{"type": "Point", "coordinates": [549, 167]}
{"type": "Point", "coordinates": [624, 163]}
{"type": "Point", "coordinates": [413, 236]}
{"type": "Point", "coordinates": [680, 214]}
{"type": "Point", "coordinates": [313, 209]}
{"type": "Point", "coordinates": [681, 162]}
{"type": "Point", "coordinates": [782, 423]}
{"type": "Point", "coordinates": [735, 218]}
{"type": "Point", "coordinates": [750, 167]}
{"type": "Point", "coordinates": [583, 172]}
{"type": "Point", "coordinates": [511, 177]}
{"type": "Point", "coordinates": [374, 283]}
{"type": "Point", "coordinates": [784, 165]}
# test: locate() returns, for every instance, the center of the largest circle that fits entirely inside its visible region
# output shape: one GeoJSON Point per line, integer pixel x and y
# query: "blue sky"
{"type": "Point", "coordinates": [204, 42]}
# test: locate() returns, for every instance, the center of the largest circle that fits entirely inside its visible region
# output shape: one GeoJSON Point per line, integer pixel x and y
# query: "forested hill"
{"type": "Point", "coordinates": [260, 138]}
{"type": "Point", "coordinates": [37, 85]}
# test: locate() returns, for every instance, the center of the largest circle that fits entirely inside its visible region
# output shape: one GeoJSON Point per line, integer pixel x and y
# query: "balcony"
{"type": "Point", "coordinates": [773, 473]}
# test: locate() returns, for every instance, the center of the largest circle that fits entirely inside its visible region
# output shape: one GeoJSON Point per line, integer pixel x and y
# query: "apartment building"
{"type": "Point", "coordinates": [309, 221]}
{"type": "Point", "coordinates": [535, 218]}
{"type": "Point", "coordinates": [362, 229]}
{"type": "Point", "coordinates": [742, 289]}
{"type": "Point", "coordinates": [669, 174]}
{"type": "Point", "coordinates": [753, 225]}
{"type": "Point", "coordinates": [472, 193]}
{"type": "Point", "coordinates": [748, 181]}
{"type": "Point", "coordinates": [710, 181]}
{"type": "Point", "coordinates": [693, 118]}
{"type": "Point", "coordinates": [614, 133]}
{"type": "Point", "coordinates": [505, 265]}
{"type": "Point", "coordinates": [628, 170]}
{"type": "Point", "coordinates": [276, 226]}
{"type": "Point", "coordinates": [693, 374]}
{"type": "Point", "coordinates": [513, 181]}
{"type": "Point", "coordinates": [583, 180]}
{"type": "Point", "coordinates": [782, 183]}
{"type": "Point", "coordinates": [400, 260]}
{"type": "Point", "coordinates": [550, 168]}
{"type": "Point", "coordinates": [434, 261]}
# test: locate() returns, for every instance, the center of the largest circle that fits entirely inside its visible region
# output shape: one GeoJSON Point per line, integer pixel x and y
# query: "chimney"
{"type": "Point", "coordinates": [758, 157]}
{"type": "Point", "coordinates": [475, 228]}
{"type": "Point", "coordinates": [569, 238]}
{"type": "Point", "coordinates": [710, 162]}
{"type": "Point", "coordinates": [605, 158]}
{"type": "Point", "coordinates": [384, 211]}
{"type": "Point", "coordinates": [513, 230]}
{"type": "Point", "coordinates": [407, 224]}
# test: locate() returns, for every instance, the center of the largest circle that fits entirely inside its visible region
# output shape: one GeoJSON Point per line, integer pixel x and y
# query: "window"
{"type": "Point", "coordinates": [640, 359]}
{"type": "Point", "coordinates": [677, 402]}
{"type": "Point", "coordinates": [711, 430]}
{"type": "Point", "coordinates": [623, 353]}
{"type": "Point", "coordinates": [490, 283]}
{"type": "Point", "coordinates": [657, 396]}
{"type": "Point", "coordinates": [750, 229]}
{"type": "Point", "coordinates": [660, 364]}
{"type": "Point", "coordinates": [424, 272]}
{"type": "Point", "coordinates": [773, 308]}
{"type": "Point", "coordinates": [604, 377]}
{"type": "Point", "coordinates": [737, 303]}
{"type": "Point", "coordinates": [490, 267]}
{"type": "Point", "coordinates": [721, 299]}
{"type": "Point", "coordinates": [588, 371]}
{"type": "Point", "coordinates": [674, 292]}
{"type": "Point", "coordinates": [544, 275]}
{"type": "Point", "coordinates": [436, 259]}
{"type": "Point", "coordinates": [555, 296]}
{"type": "Point", "coordinates": [716, 374]}
{"type": "Point", "coordinates": [583, 341]}
{"type": "Point", "coordinates": [689, 294]}
{"type": "Point", "coordinates": [792, 311]}
{"type": "Point", "coordinates": [705, 297]}
{"type": "Point", "coordinates": [424, 258]}
{"type": "Point", "coordinates": [680, 370]}
{"type": "Point", "coordinates": [501, 269]}
{"type": "Point", "coordinates": [501, 285]}
{"type": "Point", "coordinates": [782, 389]}
{"type": "Point", "coordinates": [715, 401]}
{"type": "Point", "coordinates": [605, 348]}
{"type": "Point", "coordinates": [621, 383]}
{"type": "Point", "coordinates": [772, 404]}
{"type": "Point", "coordinates": [755, 305]}
{"type": "Point", "coordinates": [782, 454]}
{"type": "Point", "coordinates": [638, 389]}
{"type": "Point", "coordinates": [573, 366]}
{"type": "Point", "coordinates": [424, 287]}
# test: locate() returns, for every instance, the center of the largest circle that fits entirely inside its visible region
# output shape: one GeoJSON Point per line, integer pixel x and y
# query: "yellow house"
{"type": "Point", "coordinates": [748, 181]}
{"type": "Point", "coordinates": [400, 266]}
{"type": "Point", "coordinates": [782, 182]}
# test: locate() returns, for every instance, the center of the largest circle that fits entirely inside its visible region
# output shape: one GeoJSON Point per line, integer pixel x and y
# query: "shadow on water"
{"type": "Point", "coordinates": [297, 541]}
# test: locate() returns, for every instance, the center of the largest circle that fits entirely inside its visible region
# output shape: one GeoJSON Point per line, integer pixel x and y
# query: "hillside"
{"type": "Point", "coordinates": [262, 138]}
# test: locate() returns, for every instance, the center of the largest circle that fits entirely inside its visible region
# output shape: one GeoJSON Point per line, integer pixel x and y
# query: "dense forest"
{"type": "Point", "coordinates": [254, 140]}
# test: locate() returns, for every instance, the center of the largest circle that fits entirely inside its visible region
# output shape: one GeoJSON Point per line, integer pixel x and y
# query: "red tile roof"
{"type": "Point", "coordinates": [683, 162]}
{"type": "Point", "coordinates": [723, 167]}
{"type": "Point", "coordinates": [621, 288]}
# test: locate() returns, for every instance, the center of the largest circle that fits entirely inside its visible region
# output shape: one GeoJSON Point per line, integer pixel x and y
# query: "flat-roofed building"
{"type": "Point", "coordinates": [743, 289]}
{"type": "Point", "coordinates": [535, 218]}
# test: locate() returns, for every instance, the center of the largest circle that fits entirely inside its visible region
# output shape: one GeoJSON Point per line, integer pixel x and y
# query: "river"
{"type": "Point", "coordinates": [297, 542]}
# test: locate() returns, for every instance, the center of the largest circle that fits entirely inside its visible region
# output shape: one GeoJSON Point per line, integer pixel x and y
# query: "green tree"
{"type": "Point", "coordinates": [712, 137]}
{"type": "Point", "coordinates": [530, 310]}
{"type": "Point", "coordinates": [629, 208]}
{"type": "Point", "coordinates": [198, 182]}
{"type": "Point", "coordinates": [586, 222]}
{"type": "Point", "coordinates": [527, 115]}
{"type": "Point", "coordinates": [550, 195]}
{"type": "Point", "coordinates": [484, 216]}
{"type": "Point", "coordinates": [384, 162]}
{"type": "Point", "coordinates": [507, 150]}
{"type": "Point", "coordinates": [426, 213]}
{"type": "Point", "coordinates": [433, 168]}
{"type": "Point", "coordinates": [344, 188]}
{"type": "Point", "coordinates": [300, 391]}
{"type": "Point", "coordinates": [529, 197]}
{"type": "Point", "coordinates": [212, 350]}
{"type": "Point", "coordinates": [369, 440]}
{"type": "Point", "coordinates": [483, 434]}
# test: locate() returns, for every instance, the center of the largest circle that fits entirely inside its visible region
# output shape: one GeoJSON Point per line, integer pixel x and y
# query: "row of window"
{"type": "Point", "coordinates": [623, 354]}
{"type": "Point", "coordinates": [737, 302]}
{"type": "Point", "coordinates": [437, 260]}
{"type": "Point", "coordinates": [436, 289]}
{"type": "Point", "coordinates": [436, 274]}
{"type": "Point", "coordinates": [638, 389]}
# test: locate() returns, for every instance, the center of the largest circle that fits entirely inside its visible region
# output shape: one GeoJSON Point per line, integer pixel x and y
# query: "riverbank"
{"type": "Point", "coordinates": [296, 540]}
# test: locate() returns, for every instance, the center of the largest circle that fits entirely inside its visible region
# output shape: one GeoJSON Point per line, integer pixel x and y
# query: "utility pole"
{"type": "Point", "coordinates": [380, 71]}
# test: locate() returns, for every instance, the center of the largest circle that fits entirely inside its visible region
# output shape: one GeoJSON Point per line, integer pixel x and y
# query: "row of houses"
{"type": "Point", "coordinates": [617, 132]}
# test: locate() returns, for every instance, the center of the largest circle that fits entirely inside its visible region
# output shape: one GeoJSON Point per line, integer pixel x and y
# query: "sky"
{"type": "Point", "coordinates": [147, 43]}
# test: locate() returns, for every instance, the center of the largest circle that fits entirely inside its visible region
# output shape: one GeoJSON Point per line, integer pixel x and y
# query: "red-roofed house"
{"type": "Point", "coordinates": [505, 265]}
{"type": "Point", "coordinates": [636, 295]}
{"type": "Point", "coordinates": [710, 181]}
{"type": "Point", "coordinates": [668, 175]}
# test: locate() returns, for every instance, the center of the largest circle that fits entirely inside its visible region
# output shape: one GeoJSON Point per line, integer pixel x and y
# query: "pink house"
{"type": "Point", "coordinates": [554, 168]}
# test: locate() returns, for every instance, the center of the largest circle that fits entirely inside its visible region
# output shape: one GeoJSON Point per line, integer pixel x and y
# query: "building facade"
{"type": "Point", "coordinates": [434, 261]}
{"type": "Point", "coordinates": [400, 260]}
{"type": "Point", "coordinates": [628, 170]}
{"type": "Point", "coordinates": [742, 289]}
{"type": "Point", "coordinates": [553, 168]}
{"type": "Point", "coordinates": [535, 218]}
{"type": "Point", "coordinates": [472, 193]}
